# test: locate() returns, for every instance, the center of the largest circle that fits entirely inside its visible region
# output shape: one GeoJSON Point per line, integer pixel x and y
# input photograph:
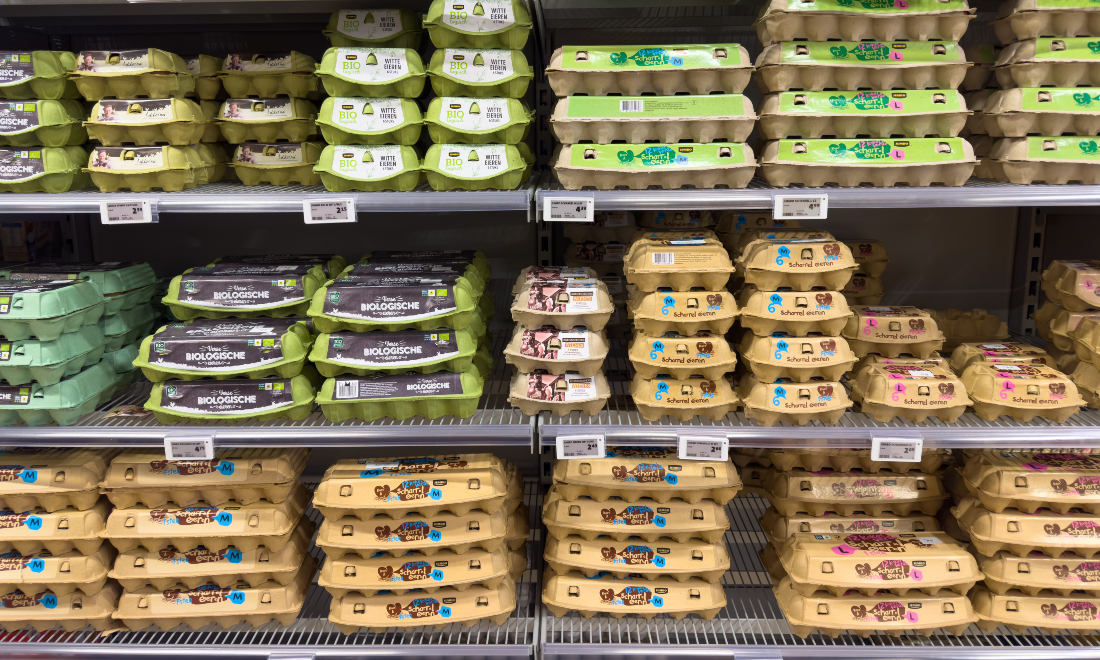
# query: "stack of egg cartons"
{"type": "Point", "coordinates": [865, 287]}
{"type": "Point", "coordinates": [977, 325]}
{"type": "Point", "coordinates": [645, 116]}
{"type": "Point", "coordinates": [601, 246]}
{"type": "Point", "coordinates": [54, 560]}
{"type": "Point", "coordinates": [1071, 301]}
{"type": "Point", "coordinates": [638, 532]}
{"type": "Point", "coordinates": [40, 123]}
{"type": "Point", "coordinates": [559, 344]}
{"type": "Point", "coordinates": [904, 131]}
{"type": "Point", "coordinates": [859, 548]}
{"type": "Point", "coordinates": [422, 541]}
{"type": "Point", "coordinates": [1032, 522]}
{"type": "Point", "coordinates": [227, 535]}
{"type": "Point", "coordinates": [731, 224]}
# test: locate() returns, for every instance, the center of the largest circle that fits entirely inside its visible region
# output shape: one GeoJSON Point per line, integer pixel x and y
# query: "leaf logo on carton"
{"type": "Point", "coordinates": [1075, 610]}
{"type": "Point", "coordinates": [404, 533]}
{"type": "Point", "coordinates": [888, 569]}
{"type": "Point", "coordinates": [1082, 485]}
{"type": "Point", "coordinates": [864, 149]}
{"type": "Point", "coordinates": [410, 571]}
{"type": "Point", "coordinates": [18, 473]}
{"type": "Point", "coordinates": [19, 599]}
{"type": "Point", "coordinates": [629, 596]}
{"type": "Point", "coordinates": [642, 473]}
{"type": "Point", "coordinates": [644, 57]}
{"type": "Point", "coordinates": [407, 491]}
{"type": "Point", "coordinates": [887, 612]}
{"type": "Point", "coordinates": [191, 515]}
{"type": "Point", "coordinates": [1094, 46]}
{"type": "Point", "coordinates": [1075, 528]}
{"type": "Point", "coordinates": [207, 594]}
{"type": "Point", "coordinates": [1088, 147]}
{"type": "Point", "coordinates": [634, 514]}
{"type": "Point", "coordinates": [871, 52]}
{"type": "Point", "coordinates": [421, 608]}
{"type": "Point", "coordinates": [1083, 98]}
{"type": "Point", "coordinates": [1086, 571]}
{"type": "Point", "coordinates": [191, 468]}
{"type": "Point", "coordinates": [631, 555]}
{"type": "Point", "coordinates": [862, 101]}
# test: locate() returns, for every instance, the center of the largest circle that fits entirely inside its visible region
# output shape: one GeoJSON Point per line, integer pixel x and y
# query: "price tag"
{"type": "Point", "coordinates": [328, 211]}
{"type": "Point", "coordinates": [702, 448]}
{"type": "Point", "coordinates": [188, 447]}
{"type": "Point", "coordinates": [801, 207]}
{"type": "Point", "coordinates": [568, 209]}
{"type": "Point", "coordinates": [905, 450]}
{"type": "Point", "coordinates": [132, 212]}
{"type": "Point", "coordinates": [580, 446]}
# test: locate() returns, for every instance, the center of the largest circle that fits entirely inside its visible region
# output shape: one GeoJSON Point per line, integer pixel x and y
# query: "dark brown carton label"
{"type": "Point", "coordinates": [226, 397]}
{"type": "Point", "coordinates": [219, 345]}
{"type": "Point", "coordinates": [392, 349]}
{"type": "Point", "coordinates": [394, 303]}
{"type": "Point", "coordinates": [397, 386]}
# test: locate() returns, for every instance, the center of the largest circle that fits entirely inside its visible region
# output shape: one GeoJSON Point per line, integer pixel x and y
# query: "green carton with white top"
{"type": "Point", "coordinates": [478, 120]}
{"type": "Point", "coordinates": [478, 24]}
{"type": "Point", "coordinates": [352, 120]}
{"type": "Point", "coordinates": [372, 71]}
{"type": "Point", "coordinates": [397, 28]}
{"type": "Point", "coordinates": [480, 72]}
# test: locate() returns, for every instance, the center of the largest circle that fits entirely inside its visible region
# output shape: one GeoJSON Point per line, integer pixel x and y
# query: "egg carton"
{"type": "Point", "coordinates": [58, 574]}
{"type": "Point", "coordinates": [776, 357]}
{"type": "Point", "coordinates": [278, 164]}
{"type": "Point", "coordinates": [122, 360]}
{"type": "Point", "coordinates": [478, 121]}
{"type": "Point", "coordinates": [463, 274]}
{"type": "Point", "coordinates": [492, 24]}
{"type": "Point", "coordinates": [1047, 312]}
{"type": "Point", "coordinates": [146, 122]}
{"type": "Point", "coordinates": [845, 493]}
{"type": "Point", "coordinates": [215, 164]}
{"type": "Point", "coordinates": [267, 120]}
{"type": "Point", "coordinates": [882, 163]}
{"type": "Point", "coordinates": [30, 478]}
{"type": "Point", "coordinates": [746, 237]}
{"type": "Point", "coordinates": [874, 329]}
{"type": "Point", "coordinates": [781, 20]}
{"type": "Point", "coordinates": [1069, 284]}
{"type": "Point", "coordinates": [358, 72]}
{"type": "Point", "coordinates": [130, 74]}
{"type": "Point", "coordinates": [45, 123]}
{"type": "Point", "coordinates": [683, 399]}
{"type": "Point", "coordinates": [457, 309]}
{"type": "Point", "coordinates": [401, 396]}
{"type": "Point", "coordinates": [607, 226]}
{"type": "Point", "coordinates": [47, 362]}
{"type": "Point", "coordinates": [504, 167]}
{"type": "Point", "coordinates": [641, 166]}
{"type": "Point", "coordinates": [1065, 481]}
{"type": "Point", "coordinates": [679, 264]}
{"type": "Point", "coordinates": [914, 392]}
{"type": "Point", "coordinates": [1022, 392]}
{"type": "Point", "coordinates": [1087, 379]}
{"type": "Point", "coordinates": [849, 66]}
{"type": "Point", "coordinates": [771, 402]}
{"type": "Point", "coordinates": [778, 528]}
{"type": "Point", "coordinates": [362, 354]}
{"type": "Point", "coordinates": [980, 76]}
{"type": "Point", "coordinates": [604, 258]}
{"type": "Point", "coordinates": [844, 460]}
{"type": "Point", "coordinates": [1051, 160]}
{"type": "Point", "coordinates": [386, 611]}
{"type": "Point", "coordinates": [968, 353]}
{"type": "Point", "coordinates": [646, 520]}
{"type": "Point", "coordinates": [870, 256]}
{"type": "Point", "coordinates": [975, 122]}
{"type": "Point", "coordinates": [1074, 332]}
{"type": "Point", "coordinates": [1044, 531]}
{"type": "Point", "coordinates": [268, 75]}
{"type": "Point", "coordinates": [433, 258]}
{"type": "Point", "coordinates": [560, 394]}
{"type": "Point", "coordinates": [933, 360]}
{"type": "Point", "coordinates": [572, 591]}
{"type": "Point", "coordinates": [863, 289]}
{"type": "Point", "coordinates": [45, 169]}
{"type": "Point", "coordinates": [253, 400]}
{"type": "Point", "coordinates": [376, 120]}
{"type": "Point", "coordinates": [1020, 612]}
{"type": "Point", "coordinates": [655, 474]}
{"type": "Point", "coordinates": [480, 72]}
{"type": "Point", "coordinates": [42, 610]}
{"type": "Point", "coordinates": [704, 354]}
{"type": "Point", "coordinates": [691, 560]}
{"type": "Point", "coordinates": [883, 114]}
{"type": "Point", "coordinates": [205, 68]}
{"type": "Point", "coordinates": [557, 351]}
{"type": "Point", "coordinates": [1038, 111]}
{"type": "Point", "coordinates": [368, 169]}
{"type": "Point", "coordinates": [698, 69]}
{"type": "Point", "coordinates": [1039, 575]}
{"type": "Point", "coordinates": [64, 402]}
{"type": "Point", "coordinates": [983, 147]}
{"type": "Point", "coordinates": [207, 291]}
{"type": "Point", "coordinates": [670, 220]}
{"type": "Point", "coordinates": [795, 314]}
{"type": "Point", "coordinates": [1048, 62]}
{"type": "Point", "coordinates": [562, 306]}
{"type": "Point", "coordinates": [639, 119]}
{"type": "Point", "coordinates": [977, 325]}
{"type": "Point", "coordinates": [36, 530]}
{"type": "Point", "coordinates": [46, 79]}
{"type": "Point", "coordinates": [127, 326]}
{"type": "Point", "coordinates": [685, 312]}
{"type": "Point", "coordinates": [733, 223]}
{"type": "Point", "coordinates": [1021, 20]}
{"type": "Point", "coordinates": [141, 169]}
{"type": "Point", "coordinates": [770, 264]}
{"type": "Point", "coordinates": [398, 28]}
{"type": "Point", "coordinates": [532, 273]}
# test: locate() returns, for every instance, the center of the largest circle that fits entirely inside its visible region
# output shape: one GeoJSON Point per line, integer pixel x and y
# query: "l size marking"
{"type": "Point", "coordinates": [800, 207]}
{"type": "Point", "coordinates": [568, 209]}
{"type": "Point", "coordinates": [324, 211]}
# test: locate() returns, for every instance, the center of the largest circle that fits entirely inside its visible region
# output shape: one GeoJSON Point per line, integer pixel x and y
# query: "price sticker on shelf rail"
{"type": "Point", "coordinates": [569, 209]}
{"type": "Point", "coordinates": [132, 212]}
{"type": "Point", "coordinates": [580, 446]}
{"type": "Point", "coordinates": [329, 211]}
{"type": "Point", "coordinates": [188, 447]}
{"type": "Point", "coordinates": [702, 447]}
{"type": "Point", "coordinates": [905, 450]}
{"type": "Point", "coordinates": [800, 207]}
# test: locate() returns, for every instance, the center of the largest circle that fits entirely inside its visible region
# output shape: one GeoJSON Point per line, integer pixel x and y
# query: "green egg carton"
{"type": "Point", "coordinates": [344, 168]}
{"type": "Point", "coordinates": [459, 119]}
{"type": "Point", "coordinates": [332, 264]}
{"type": "Point", "coordinates": [237, 400]}
{"type": "Point", "coordinates": [396, 28]}
{"type": "Point", "coordinates": [64, 402]}
{"type": "Point", "coordinates": [483, 359]}
{"type": "Point", "coordinates": [122, 360]}
{"type": "Point", "coordinates": [281, 291]}
{"type": "Point", "coordinates": [528, 157]}
{"type": "Point", "coordinates": [474, 167]}
{"type": "Point", "coordinates": [279, 164]}
{"type": "Point", "coordinates": [131, 74]}
{"type": "Point", "coordinates": [46, 310]}
{"type": "Point", "coordinates": [348, 120]}
{"type": "Point", "coordinates": [47, 362]}
{"type": "Point", "coordinates": [225, 349]}
{"type": "Point", "coordinates": [372, 72]}
{"type": "Point", "coordinates": [474, 257]}
{"type": "Point", "coordinates": [267, 120]}
{"type": "Point", "coordinates": [141, 169]}
{"type": "Point", "coordinates": [267, 75]}
{"type": "Point", "coordinates": [212, 129]}
{"type": "Point", "coordinates": [480, 73]}
{"type": "Point", "coordinates": [401, 396]}
{"type": "Point", "coordinates": [81, 179]}
{"type": "Point", "coordinates": [417, 273]}
{"type": "Point", "coordinates": [47, 123]}
{"type": "Point", "coordinates": [39, 169]}
{"type": "Point", "coordinates": [486, 307]}
{"type": "Point", "coordinates": [37, 74]}
{"type": "Point", "coordinates": [205, 70]}
{"type": "Point", "coordinates": [422, 351]}
{"type": "Point", "coordinates": [215, 164]}
{"type": "Point", "coordinates": [478, 24]}
{"type": "Point", "coordinates": [146, 122]}
{"type": "Point", "coordinates": [128, 326]}
{"type": "Point", "coordinates": [112, 277]}
{"type": "Point", "coordinates": [352, 306]}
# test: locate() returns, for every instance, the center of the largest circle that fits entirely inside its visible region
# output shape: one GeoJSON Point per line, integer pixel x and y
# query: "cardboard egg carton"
{"type": "Point", "coordinates": [873, 615]}
{"type": "Point", "coordinates": [1038, 111]}
{"type": "Point", "coordinates": [977, 325]}
{"type": "Point", "coordinates": [1019, 20]}
{"type": "Point", "coordinates": [52, 479]}
{"type": "Point", "coordinates": [267, 120]}
{"type": "Point", "coordinates": [1037, 573]}
{"type": "Point", "coordinates": [1051, 160]}
{"type": "Point", "coordinates": [870, 256]}
{"type": "Point", "coordinates": [1048, 62]}
{"type": "Point", "coordinates": [1062, 331]}
{"type": "Point", "coordinates": [631, 595]}
{"type": "Point", "coordinates": [975, 123]}
{"type": "Point", "coordinates": [403, 29]}
{"type": "Point", "coordinates": [933, 360]}
{"type": "Point", "coordinates": [794, 313]}
{"type": "Point", "coordinates": [731, 224]}
{"type": "Point", "coordinates": [752, 479]}
{"type": "Point", "coordinates": [641, 166]}
{"type": "Point", "coordinates": [60, 531]}
{"type": "Point", "coordinates": [891, 331]}
{"type": "Point", "coordinates": [277, 163]}
{"type": "Point", "coordinates": [684, 312]}
{"type": "Point", "coordinates": [778, 528]}
{"type": "Point", "coordinates": [801, 359]}
{"type": "Point", "coordinates": [562, 305]}
{"type": "Point", "coordinates": [557, 351]}
{"type": "Point", "coordinates": [1047, 312]}
{"type": "Point", "coordinates": [700, 69]}
{"type": "Point", "coordinates": [630, 474]}
{"type": "Point", "coordinates": [863, 289]}
{"type": "Point", "coordinates": [915, 392]}
{"type": "Point", "coordinates": [848, 492]}
{"type": "Point", "coordinates": [414, 609]}
{"type": "Point", "coordinates": [249, 526]}
{"type": "Point", "coordinates": [606, 226]}
{"type": "Point", "coordinates": [417, 572]}
{"type": "Point", "coordinates": [682, 398]}
{"type": "Point", "coordinates": [678, 263]}
{"type": "Point", "coordinates": [1030, 481]}
{"type": "Point", "coordinates": [947, 161]}
{"type": "Point", "coordinates": [267, 75]}
{"type": "Point", "coordinates": [666, 220]}
{"type": "Point", "coordinates": [968, 353]}
{"type": "Point", "coordinates": [42, 610]}
{"type": "Point", "coordinates": [983, 147]}
{"type": "Point", "coordinates": [681, 561]}
{"type": "Point", "coordinates": [769, 403]}
{"type": "Point", "coordinates": [604, 258]}
{"type": "Point", "coordinates": [980, 76]}
{"type": "Point", "coordinates": [771, 264]}
{"type": "Point", "coordinates": [850, 115]}
{"type": "Point", "coordinates": [532, 273]}
{"type": "Point", "coordinates": [560, 394]}
{"type": "Point", "coordinates": [849, 66]}
{"type": "Point", "coordinates": [130, 74]}
{"type": "Point", "coordinates": [1019, 533]}
{"type": "Point", "coordinates": [844, 460]}
{"type": "Point", "coordinates": [145, 122]}
{"type": "Point", "coordinates": [745, 456]}
{"type": "Point", "coordinates": [1067, 362]}
{"type": "Point", "coordinates": [1086, 335]}
{"type": "Point", "coordinates": [60, 574]}
{"type": "Point", "coordinates": [704, 354]}
{"type": "Point", "coordinates": [747, 236]}
{"type": "Point", "coordinates": [645, 237]}
{"type": "Point", "coordinates": [647, 520]}
{"type": "Point", "coordinates": [223, 606]}
{"type": "Point", "coordinates": [638, 119]}
{"type": "Point", "coordinates": [1087, 379]}
{"type": "Point", "coordinates": [1069, 284]}
{"type": "Point", "coordinates": [781, 20]}
{"type": "Point", "coordinates": [1023, 392]}
{"type": "Point", "coordinates": [1020, 612]}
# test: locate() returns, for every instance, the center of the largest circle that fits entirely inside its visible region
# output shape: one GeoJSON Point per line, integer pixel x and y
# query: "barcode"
{"type": "Point", "coordinates": [631, 106]}
{"type": "Point", "coordinates": [664, 258]}
{"type": "Point", "coordinates": [347, 389]}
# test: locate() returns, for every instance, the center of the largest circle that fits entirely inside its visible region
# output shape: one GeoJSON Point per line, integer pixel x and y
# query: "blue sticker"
{"type": "Point", "coordinates": [234, 556]}
{"type": "Point", "coordinates": [226, 467]}
{"type": "Point", "coordinates": [33, 523]}
{"type": "Point", "coordinates": [49, 601]}
{"type": "Point", "coordinates": [741, 222]}
{"type": "Point", "coordinates": [236, 597]}
{"type": "Point", "coordinates": [437, 575]}
{"type": "Point", "coordinates": [659, 561]}
{"type": "Point", "coordinates": [781, 347]}
{"type": "Point", "coordinates": [659, 521]}
{"type": "Point", "coordinates": [677, 61]}
{"type": "Point", "coordinates": [435, 494]}
{"type": "Point", "coordinates": [37, 565]}
{"type": "Point", "coordinates": [29, 475]}
{"type": "Point", "coordinates": [784, 252]}
{"type": "Point", "coordinates": [681, 160]}
{"type": "Point", "coordinates": [367, 474]}
{"type": "Point", "coordinates": [780, 393]}
{"type": "Point", "coordinates": [435, 535]}
{"type": "Point", "coordinates": [658, 347]}
{"type": "Point", "coordinates": [662, 389]}
{"type": "Point", "coordinates": [445, 612]}
{"type": "Point", "coordinates": [671, 479]}
{"type": "Point", "coordinates": [225, 519]}
{"type": "Point", "coordinates": [776, 301]}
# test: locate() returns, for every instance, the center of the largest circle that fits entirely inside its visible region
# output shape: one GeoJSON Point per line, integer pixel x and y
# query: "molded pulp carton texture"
{"type": "Point", "coordinates": [45, 610]}
{"type": "Point", "coordinates": [680, 561]}
{"type": "Point", "coordinates": [1087, 379]}
{"type": "Point", "coordinates": [278, 164]}
{"type": "Point", "coordinates": [383, 71]}
{"type": "Point", "coordinates": [47, 362]}
{"type": "Point", "coordinates": [638, 119]}
{"type": "Point", "coordinates": [684, 398]}
{"type": "Point", "coordinates": [43, 169]}
{"type": "Point", "coordinates": [487, 24]}
{"type": "Point", "coordinates": [640, 166]}
{"type": "Point", "coordinates": [131, 74]}
{"type": "Point", "coordinates": [777, 356]}
{"type": "Point", "coordinates": [685, 312]}
{"type": "Point", "coordinates": [1051, 160]}
{"type": "Point", "coordinates": [267, 120]}
{"type": "Point", "coordinates": [863, 289]}
{"type": "Point", "coordinates": [64, 402]}
{"type": "Point", "coordinates": [778, 527]}
{"type": "Point", "coordinates": [474, 167]}
{"type": "Point", "coordinates": [795, 314]}
{"type": "Point", "coordinates": [679, 263]}
{"type": "Point", "coordinates": [1020, 612]}
{"type": "Point", "coordinates": [700, 69]}
{"type": "Point", "coordinates": [232, 400]}
{"type": "Point", "coordinates": [1035, 573]}
{"type": "Point", "coordinates": [557, 351]}
{"type": "Point", "coordinates": [704, 354]}
{"type": "Point", "coordinates": [434, 258]}
{"type": "Point", "coordinates": [1047, 62]}
{"type": "Point", "coordinates": [848, 492]}
{"type": "Point", "coordinates": [1028, 481]}
{"type": "Point", "coordinates": [604, 258]}
{"type": "Point", "coordinates": [870, 256]}
{"type": "Point", "coordinates": [850, 163]}
{"type": "Point", "coordinates": [560, 394]}
{"type": "Point", "coordinates": [414, 570]}
{"type": "Point", "coordinates": [883, 114]}
{"type": "Point", "coordinates": [332, 264]}
{"type": "Point", "coordinates": [633, 473]}
{"type": "Point", "coordinates": [47, 309]}
{"type": "Point", "coordinates": [1041, 111]}
{"type": "Point", "coordinates": [354, 306]}
{"type": "Point", "coordinates": [891, 331]}
{"type": "Point", "coordinates": [606, 226]}
{"type": "Point", "coordinates": [401, 396]}
{"type": "Point", "coordinates": [820, 20]}
{"type": "Point", "coordinates": [1021, 391]}
{"type": "Point", "coordinates": [1020, 534]}
{"type": "Point", "coordinates": [980, 76]}
{"type": "Point", "coordinates": [1086, 336]}
{"type": "Point", "coordinates": [123, 284]}
{"type": "Point", "coordinates": [215, 165]}
{"type": "Point", "coordinates": [676, 219]}
{"type": "Point", "coordinates": [267, 75]}
{"type": "Point", "coordinates": [1069, 284]}
{"type": "Point", "coordinates": [563, 305]}
{"type": "Point", "coordinates": [977, 325]}
{"type": "Point", "coordinates": [384, 611]}
{"type": "Point", "coordinates": [364, 353]}
{"type": "Point", "coordinates": [58, 532]}
{"type": "Point", "coordinates": [771, 264]}
{"type": "Point", "coordinates": [146, 122]}
{"type": "Point", "coordinates": [465, 120]}
{"type": "Point", "coordinates": [966, 354]}
{"type": "Point", "coordinates": [52, 479]}
{"type": "Point", "coordinates": [479, 72]}
{"type": "Point", "coordinates": [398, 28]}
{"type": "Point", "coordinates": [747, 236]}
{"type": "Point", "coordinates": [43, 122]}
{"type": "Point", "coordinates": [647, 519]}
{"type": "Point", "coordinates": [1066, 333]}
{"type": "Point", "coordinates": [531, 273]}
{"type": "Point", "coordinates": [61, 574]}
{"type": "Point", "coordinates": [243, 291]}
{"type": "Point", "coordinates": [141, 169]}
{"type": "Point", "coordinates": [844, 460]}
{"type": "Point", "coordinates": [1019, 20]}
{"type": "Point", "coordinates": [913, 391]}
{"type": "Point", "coordinates": [250, 348]}
{"type": "Point", "coordinates": [795, 403]}
{"type": "Point", "coordinates": [205, 70]}
{"type": "Point", "coordinates": [344, 168]}
{"type": "Point", "coordinates": [127, 326]}
{"type": "Point", "coordinates": [349, 120]}
{"type": "Point", "coordinates": [38, 74]}
{"type": "Point", "coordinates": [631, 595]}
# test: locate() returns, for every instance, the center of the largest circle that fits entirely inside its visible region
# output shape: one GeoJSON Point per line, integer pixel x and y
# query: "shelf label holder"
{"type": "Point", "coordinates": [800, 207]}
{"type": "Point", "coordinates": [698, 445]}
{"type": "Point", "coordinates": [903, 448]}
{"type": "Point", "coordinates": [188, 447]}
{"type": "Point", "coordinates": [577, 208]}
{"type": "Point", "coordinates": [581, 446]}
{"type": "Point", "coordinates": [129, 212]}
{"type": "Point", "coordinates": [327, 211]}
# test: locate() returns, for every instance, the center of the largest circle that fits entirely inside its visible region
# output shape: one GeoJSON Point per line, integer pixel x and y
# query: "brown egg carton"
{"type": "Point", "coordinates": [383, 611]}
{"type": "Point", "coordinates": [771, 264]}
{"type": "Point", "coordinates": [644, 238]}
{"type": "Point", "coordinates": [915, 392]}
{"type": "Point", "coordinates": [685, 312]}
{"type": "Point", "coordinates": [224, 564]}
{"type": "Point", "coordinates": [416, 571]}
{"type": "Point", "coordinates": [781, 21]}
{"type": "Point", "coordinates": [778, 527]}
{"type": "Point", "coordinates": [1086, 336]}
{"type": "Point", "coordinates": [42, 610]}
{"type": "Point", "coordinates": [692, 559]}
{"type": "Point", "coordinates": [717, 165]}
{"type": "Point", "coordinates": [223, 606]}
{"type": "Point", "coordinates": [605, 226]}
{"type": "Point", "coordinates": [60, 575]}
{"type": "Point", "coordinates": [974, 326]}
{"type": "Point", "coordinates": [562, 306]}
{"type": "Point", "coordinates": [1017, 160]}
{"type": "Point", "coordinates": [532, 273]}
{"type": "Point", "coordinates": [774, 357]}
{"type": "Point", "coordinates": [654, 474]}
{"type": "Point", "coordinates": [1004, 114]}
{"type": "Point", "coordinates": [602, 257]}
{"type": "Point", "coordinates": [746, 237]}
{"type": "Point", "coordinates": [769, 403]}
{"type": "Point", "coordinates": [243, 475]}
{"type": "Point", "coordinates": [794, 313]}
{"type": "Point", "coordinates": [1087, 379]}
{"type": "Point", "coordinates": [557, 351]}
{"type": "Point", "coordinates": [845, 493]}
{"type": "Point", "coordinates": [870, 256]}
{"type": "Point", "coordinates": [863, 289]}
{"type": "Point", "coordinates": [1062, 330]}
{"type": "Point", "coordinates": [1038, 573]}
{"type": "Point", "coordinates": [730, 76]}
{"type": "Point", "coordinates": [892, 331]}
{"type": "Point", "coordinates": [1020, 612]}
{"type": "Point", "coordinates": [873, 615]}
{"type": "Point", "coordinates": [703, 354]}
{"type": "Point", "coordinates": [682, 398]}
{"type": "Point", "coordinates": [983, 147]}
{"type": "Point", "coordinates": [52, 479]}
{"type": "Point", "coordinates": [573, 592]}
{"type": "Point", "coordinates": [646, 520]}
{"type": "Point", "coordinates": [1019, 533]}
{"type": "Point", "coordinates": [967, 353]}
{"type": "Point", "coordinates": [752, 479]}
{"type": "Point", "coordinates": [1029, 481]}
{"type": "Point", "coordinates": [1067, 363]}
{"type": "Point", "coordinates": [814, 459]}
{"type": "Point", "coordinates": [1023, 392]}
{"type": "Point", "coordinates": [1019, 20]}
{"type": "Point", "coordinates": [58, 532]}
{"type": "Point", "coordinates": [676, 219]}
{"type": "Point", "coordinates": [955, 483]}
{"type": "Point", "coordinates": [679, 264]}
{"type": "Point", "coordinates": [1029, 63]}
{"type": "Point", "coordinates": [933, 360]}
{"type": "Point", "coordinates": [732, 223]}
{"type": "Point", "coordinates": [249, 526]}
{"type": "Point", "coordinates": [975, 103]}
{"type": "Point", "coordinates": [746, 456]}
{"type": "Point", "coordinates": [1069, 284]}
{"type": "Point", "coordinates": [560, 394]}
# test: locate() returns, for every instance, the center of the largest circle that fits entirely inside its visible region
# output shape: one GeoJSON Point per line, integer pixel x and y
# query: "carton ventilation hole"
{"type": "Point", "coordinates": [918, 527]}
{"type": "Point", "coordinates": [943, 148]}
{"type": "Point", "coordinates": [823, 609]}
{"type": "Point", "coordinates": [346, 530]}
{"type": "Point", "coordinates": [581, 56]}
{"type": "Point", "coordinates": [590, 154]}
{"type": "Point", "coordinates": [922, 485]}
{"type": "Point", "coordinates": [345, 491]}
{"type": "Point", "coordinates": [696, 514]}
{"type": "Point", "coordinates": [1050, 145]}
{"type": "Point", "coordinates": [475, 564]}
{"type": "Point", "coordinates": [725, 152]}
{"type": "Point", "coordinates": [360, 608]}
{"type": "Point", "coordinates": [801, 302]}
{"type": "Point", "coordinates": [473, 526]}
{"type": "Point", "coordinates": [681, 349]}
{"type": "Point", "coordinates": [63, 523]}
{"type": "Point", "coordinates": [143, 603]}
{"type": "Point", "coordinates": [826, 567]}
{"type": "Point", "coordinates": [1012, 606]}
{"type": "Point", "coordinates": [1044, 97]}
{"type": "Point", "coordinates": [1057, 44]}
{"type": "Point", "coordinates": [939, 98]}
{"type": "Point", "coordinates": [265, 597]}
{"type": "Point", "coordinates": [939, 49]}
{"type": "Point", "coordinates": [483, 601]}
{"type": "Point", "coordinates": [114, 58]}
{"type": "Point", "coordinates": [948, 608]}
{"type": "Point", "coordinates": [575, 591]}
{"type": "Point", "coordinates": [953, 566]}
{"type": "Point", "coordinates": [708, 473]}
{"type": "Point", "coordinates": [139, 562]}
{"type": "Point", "coordinates": [805, 485]}
{"type": "Point", "coordinates": [474, 484]}
{"type": "Point", "coordinates": [130, 522]}
{"type": "Point", "coordinates": [693, 303]}
{"type": "Point", "coordinates": [721, 53]}
{"type": "Point", "coordinates": [59, 477]}
{"type": "Point", "coordinates": [924, 390]}
{"type": "Point", "coordinates": [801, 50]}
{"type": "Point", "coordinates": [586, 469]}
{"type": "Point", "coordinates": [799, 148]}
{"type": "Point", "coordinates": [800, 99]}
{"type": "Point", "coordinates": [264, 556]}
{"type": "Point", "coordinates": [1021, 482]}
{"type": "Point", "coordinates": [1023, 567]}
{"type": "Point", "coordinates": [77, 603]}
{"type": "Point", "coordinates": [349, 571]}
{"type": "Point", "coordinates": [804, 395]}
{"type": "Point", "coordinates": [129, 474]}
{"type": "Point", "coordinates": [804, 527]}
{"type": "Point", "coordinates": [895, 326]}
{"type": "Point", "coordinates": [1013, 526]}
{"type": "Point", "coordinates": [807, 348]}
{"type": "Point", "coordinates": [1033, 390]}
{"type": "Point", "coordinates": [65, 567]}
{"type": "Point", "coordinates": [697, 555]}
{"type": "Point", "coordinates": [694, 593]}
{"type": "Point", "coordinates": [257, 469]}
{"type": "Point", "coordinates": [254, 520]}
{"type": "Point", "coordinates": [574, 510]}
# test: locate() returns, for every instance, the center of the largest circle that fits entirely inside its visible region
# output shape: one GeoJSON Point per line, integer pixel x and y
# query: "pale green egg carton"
{"type": "Point", "coordinates": [47, 362]}
{"type": "Point", "coordinates": [130, 74]}
{"type": "Point", "coordinates": [64, 402]}
{"type": "Point", "coordinates": [396, 28]}
{"type": "Point", "coordinates": [368, 168]}
{"type": "Point", "coordinates": [480, 73]}
{"type": "Point", "coordinates": [112, 278]}
{"type": "Point", "coordinates": [122, 360]}
{"type": "Point", "coordinates": [38, 74]}
{"type": "Point", "coordinates": [478, 24]}
{"type": "Point", "coordinates": [267, 120]}
{"type": "Point", "coordinates": [372, 72]}
{"type": "Point", "coordinates": [41, 169]}
{"type": "Point", "coordinates": [225, 349]}
{"type": "Point", "coordinates": [215, 164]}
{"type": "Point", "coordinates": [146, 122]}
{"type": "Point", "coordinates": [46, 310]}
{"type": "Point", "coordinates": [458, 119]}
{"type": "Point", "coordinates": [259, 400]}
{"type": "Point", "coordinates": [190, 295]}
{"type": "Point", "coordinates": [350, 120]}
{"type": "Point", "coordinates": [205, 69]}
{"type": "Point", "coordinates": [267, 75]}
{"type": "Point", "coordinates": [210, 111]}
{"type": "Point", "coordinates": [127, 326]}
{"type": "Point", "coordinates": [48, 123]}
{"type": "Point", "coordinates": [279, 164]}
{"type": "Point", "coordinates": [528, 157]}
{"type": "Point", "coordinates": [474, 167]}
{"type": "Point", "coordinates": [349, 306]}
{"type": "Point", "coordinates": [401, 396]}
{"type": "Point", "coordinates": [365, 353]}
{"type": "Point", "coordinates": [141, 169]}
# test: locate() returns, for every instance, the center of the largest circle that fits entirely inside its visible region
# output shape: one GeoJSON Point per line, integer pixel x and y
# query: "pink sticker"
{"type": "Point", "coordinates": [1035, 467]}
{"type": "Point", "coordinates": [1008, 387]}
{"type": "Point", "coordinates": [911, 616]}
{"type": "Point", "coordinates": [917, 575]}
{"type": "Point", "coordinates": [896, 105]}
{"type": "Point", "coordinates": [896, 56]}
{"type": "Point", "coordinates": [844, 549]}
{"type": "Point", "coordinates": [897, 154]}
{"type": "Point", "coordinates": [871, 323]}
{"type": "Point", "coordinates": [902, 4]}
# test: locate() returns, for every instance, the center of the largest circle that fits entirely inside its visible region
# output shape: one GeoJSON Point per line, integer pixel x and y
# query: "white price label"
{"type": "Point", "coordinates": [801, 207]}
{"type": "Point", "coordinates": [906, 450]}
{"type": "Point", "coordinates": [569, 209]}
{"type": "Point", "coordinates": [133, 212]}
{"type": "Point", "coordinates": [929, 540]}
{"type": "Point", "coordinates": [323, 211]}
{"type": "Point", "coordinates": [702, 448]}
{"type": "Point", "coordinates": [188, 448]}
{"type": "Point", "coordinates": [580, 446]}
